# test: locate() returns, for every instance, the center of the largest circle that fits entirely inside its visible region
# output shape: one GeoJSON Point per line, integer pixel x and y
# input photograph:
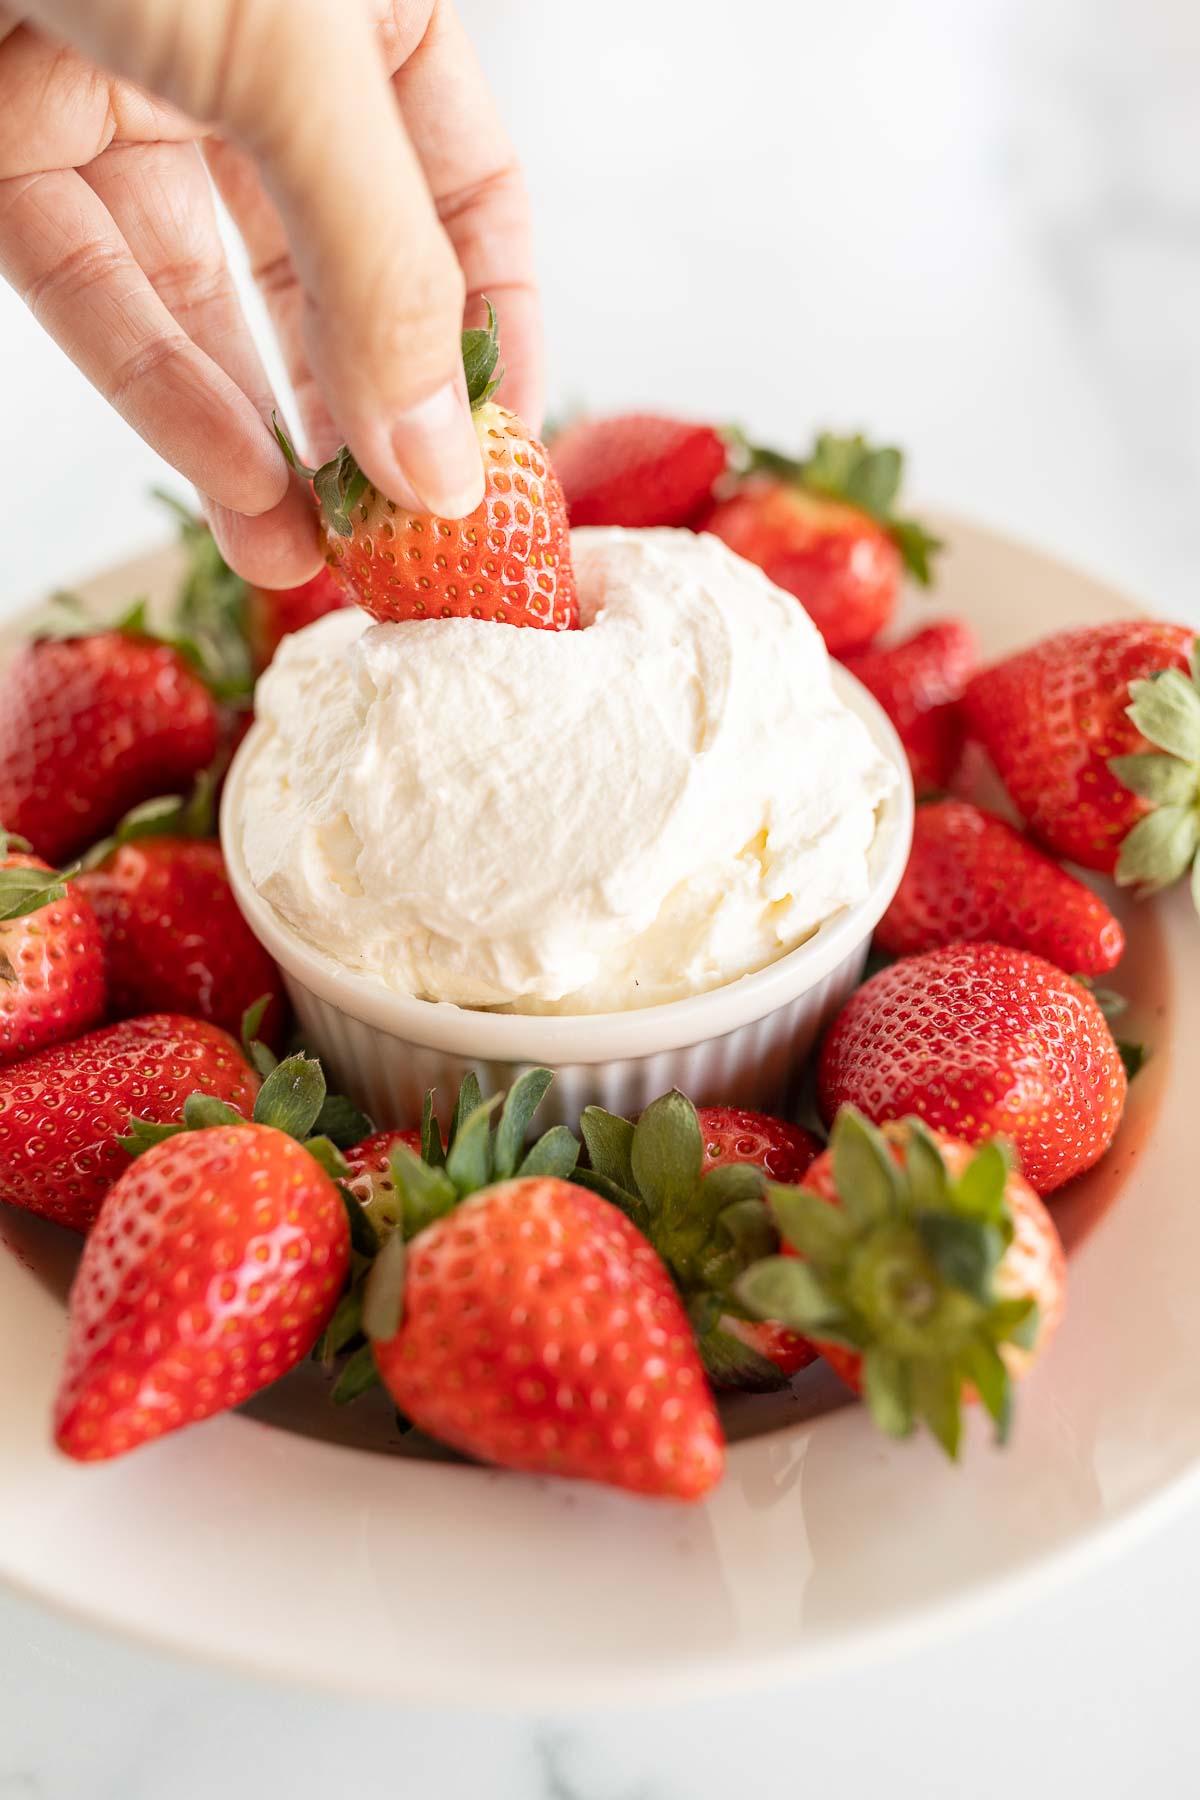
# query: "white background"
{"type": "Point", "coordinates": [971, 225]}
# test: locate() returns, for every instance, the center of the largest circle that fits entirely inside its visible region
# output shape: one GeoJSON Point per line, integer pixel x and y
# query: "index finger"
{"type": "Point", "coordinates": [479, 191]}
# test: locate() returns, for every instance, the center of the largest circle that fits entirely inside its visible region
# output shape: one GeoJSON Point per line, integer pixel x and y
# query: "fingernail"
{"type": "Point", "coordinates": [438, 452]}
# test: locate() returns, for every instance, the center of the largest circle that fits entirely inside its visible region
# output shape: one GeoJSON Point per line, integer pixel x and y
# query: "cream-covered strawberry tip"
{"type": "Point", "coordinates": [574, 822]}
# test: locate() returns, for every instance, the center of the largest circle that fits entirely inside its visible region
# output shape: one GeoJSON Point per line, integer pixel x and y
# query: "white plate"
{"type": "Point", "coordinates": [250, 1542]}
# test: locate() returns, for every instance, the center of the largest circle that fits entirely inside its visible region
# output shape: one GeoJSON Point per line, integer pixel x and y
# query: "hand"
{"type": "Point", "coordinates": [361, 156]}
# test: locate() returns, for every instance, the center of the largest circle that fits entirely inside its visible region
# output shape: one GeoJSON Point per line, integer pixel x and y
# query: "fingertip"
{"type": "Point", "coordinates": [278, 548]}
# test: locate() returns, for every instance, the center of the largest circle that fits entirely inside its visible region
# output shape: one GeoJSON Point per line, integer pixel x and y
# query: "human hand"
{"type": "Point", "coordinates": [362, 158]}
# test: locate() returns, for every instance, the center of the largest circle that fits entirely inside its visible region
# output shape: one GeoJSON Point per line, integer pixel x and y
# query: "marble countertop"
{"type": "Point", "coordinates": [975, 229]}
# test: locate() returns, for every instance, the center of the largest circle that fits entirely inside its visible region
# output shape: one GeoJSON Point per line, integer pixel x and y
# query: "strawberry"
{"type": "Point", "coordinates": [1096, 735]}
{"type": "Point", "coordinates": [90, 726]}
{"type": "Point", "coordinates": [930, 1273]}
{"type": "Point", "coordinates": [693, 1182]}
{"type": "Point", "coordinates": [63, 1110]}
{"type": "Point", "coordinates": [918, 683]}
{"type": "Point", "coordinates": [174, 938]}
{"type": "Point", "coordinates": [274, 613]}
{"type": "Point", "coordinates": [370, 1177]}
{"type": "Point", "coordinates": [509, 560]}
{"type": "Point", "coordinates": [824, 529]}
{"type": "Point", "coordinates": [540, 1331]}
{"type": "Point", "coordinates": [211, 1270]}
{"type": "Point", "coordinates": [972, 878]}
{"type": "Point", "coordinates": [51, 955]}
{"type": "Point", "coordinates": [638, 469]}
{"type": "Point", "coordinates": [981, 1041]}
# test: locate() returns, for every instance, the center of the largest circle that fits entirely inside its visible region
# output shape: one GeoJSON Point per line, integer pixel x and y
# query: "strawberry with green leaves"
{"type": "Point", "coordinates": [927, 1272]}
{"type": "Point", "coordinates": [519, 1317]}
{"type": "Point", "coordinates": [825, 528]}
{"type": "Point", "coordinates": [919, 683]}
{"type": "Point", "coordinates": [212, 1268]}
{"type": "Point", "coordinates": [91, 726]}
{"type": "Point", "coordinates": [508, 561]}
{"type": "Point", "coordinates": [174, 937]}
{"type": "Point", "coordinates": [52, 983]}
{"type": "Point", "coordinates": [981, 1041]}
{"type": "Point", "coordinates": [972, 878]}
{"type": "Point", "coordinates": [64, 1110]}
{"type": "Point", "coordinates": [1095, 733]}
{"type": "Point", "coordinates": [638, 469]}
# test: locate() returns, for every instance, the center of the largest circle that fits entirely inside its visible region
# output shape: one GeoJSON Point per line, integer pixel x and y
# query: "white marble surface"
{"type": "Point", "coordinates": [975, 227]}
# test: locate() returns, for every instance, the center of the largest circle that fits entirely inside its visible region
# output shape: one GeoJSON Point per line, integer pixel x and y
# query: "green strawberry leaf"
{"type": "Point", "coordinates": [323, 1150]}
{"type": "Point", "coordinates": [24, 891]}
{"type": "Point", "coordinates": [979, 1192]}
{"type": "Point", "coordinates": [1166, 709]}
{"type": "Point", "coordinates": [667, 1154]}
{"type": "Point", "coordinates": [928, 1177]}
{"type": "Point", "coordinates": [201, 1112]}
{"type": "Point", "coordinates": [1163, 780]}
{"type": "Point", "coordinates": [470, 1094]}
{"type": "Point", "coordinates": [1014, 1322]}
{"type": "Point", "coordinates": [887, 1390]}
{"type": "Point", "coordinates": [609, 1140]}
{"type": "Point", "coordinates": [433, 1151]}
{"type": "Point", "coordinates": [383, 1291]}
{"type": "Point", "coordinates": [965, 1251]}
{"type": "Point", "coordinates": [426, 1194]}
{"type": "Point", "coordinates": [916, 546]}
{"type": "Point", "coordinates": [809, 1224]}
{"type": "Point", "coordinates": [480, 354]}
{"type": "Point", "coordinates": [867, 1179]}
{"type": "Point", "coordinates": [343, 1327]}
{"type": "Point", "coordinates": [520, 1103]}
{"type": "Point", "coordinates": [1160, 848]}
{"type": "Point", "coordinates": [359, 1375]}
{"type": "Point", "coordinates": [937, 1394]}
{"type": "Point", "coordinates": [342, 1122]}
{"type": "Point", "coordinates": [143, 1134]}
{"type": "Point", "coordinates": [363, 1236]}
{"type": "Point", "coordinates": [469, 1161]}
{"type": "Point", "coordinates": [786, 1289]}
{"type": "Point", "coordinates": [624, 1199]}
{"type": "Point", "coordinates": [555, 1154]}
{"type": "Point", "coordinates": [291, 1097]}
{"type": "Point", "coordinates": [732, 1364]}
{"type": "Point", "coordinates": [982, 1365]}
{"type": "Point", "coordinates": [1133, 1055]}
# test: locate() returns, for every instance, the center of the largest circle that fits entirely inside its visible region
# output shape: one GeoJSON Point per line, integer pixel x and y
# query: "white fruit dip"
{"type": "Point", "coordinates": [566, 822]}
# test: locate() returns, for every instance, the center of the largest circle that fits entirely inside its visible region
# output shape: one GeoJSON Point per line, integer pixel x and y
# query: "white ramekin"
{"type": "Point", "coordinates": [744, 1043]}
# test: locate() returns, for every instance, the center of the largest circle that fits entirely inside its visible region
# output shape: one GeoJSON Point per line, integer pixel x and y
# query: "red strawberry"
{"type": "Point", "coordinates": [971, 878]}
{"type": "Point", "coordinates": [63, 1110]}
{"type": "Point", "coordinates": [825, 530]}
{"type": "Point", "coordinates": [918, 683]}
{"type": "Point", "coordinates": [980, 1040]}
{"type": "Point", "coordinates": [211, 1270]}
{"type": "Point", "coordinates": [638, 469]}
{"type": "Point", "coordinates": [541, 1332]}
{"type": "Point", "coordinates": [174, 938]}
{"type": "Point", "coordinates": [931, 1273]}
{"type": "Point", "coordinates": [1096, 735]}
{"type": "Point", "coordinates": [274, 613]}
{"type": "Point", "coordinates": [51, 956]}
{"type": "Point", "coordinates": [370, 1178]}
{"type": "Point", "coordinates": [509, 560]}
{"type": "Point", "coordinates": [90, 726]}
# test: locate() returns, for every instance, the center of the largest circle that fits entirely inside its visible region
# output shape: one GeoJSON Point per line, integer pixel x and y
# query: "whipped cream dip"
{"type": "Point", "coordinates": [565, 822]}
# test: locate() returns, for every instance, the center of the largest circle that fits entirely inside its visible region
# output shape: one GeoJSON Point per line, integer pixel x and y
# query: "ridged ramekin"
{"type": "Point", "coordinates": [743, 1043]}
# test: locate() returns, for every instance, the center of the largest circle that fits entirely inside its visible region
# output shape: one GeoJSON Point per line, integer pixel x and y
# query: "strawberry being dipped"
{"type": "Point", "coordinates": [919, 683]}
{"type": "Point", "coordinates": [174, 938]}
{"type": "Point", "coordinates": [64, 1110]}
{"type": "Point", "coordinates": [1096, 735]}
{"type": "Point", "coordinates": [90, 727]}
{"type": "Point", "coordinates": [972, 878]}
{"type": "Point", "coordinates": [927, 1273]}
{"type": "Point", "coordinates": [508, 561]}
{"type": "Point", "coordinates": [824, 528]}
{"type": "Point", "coordinates": [982, 1041]}
{"type": "Point", "coordinates": [51, 955]}
{"type": "Point", "coordinates": [212, 1269]}
{"type": "Point", "coordinates": [638, 469]}
{"type": "Point", "coordinates": [693, 1182]}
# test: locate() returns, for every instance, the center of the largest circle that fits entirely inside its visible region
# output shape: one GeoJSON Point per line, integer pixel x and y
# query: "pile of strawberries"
{"type": "Point", "coordinates": [569, 1306]}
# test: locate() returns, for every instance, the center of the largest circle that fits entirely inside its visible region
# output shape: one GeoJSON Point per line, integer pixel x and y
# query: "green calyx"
{"type": "Point", "coordinates": [340, 484]}
{"type": "Point", "coordinates": [707, 1228]}
{"type": "Point", "coordinates": [24, 891]}
{"type": "Point", "coordinates": [852, 471]}
{"type": "Point", "coordinates": [903, 1271]}
{"type": "Point", "coordinates": [485, 1144]}
{"type": "Point", "coordinates": [1164, 846]}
